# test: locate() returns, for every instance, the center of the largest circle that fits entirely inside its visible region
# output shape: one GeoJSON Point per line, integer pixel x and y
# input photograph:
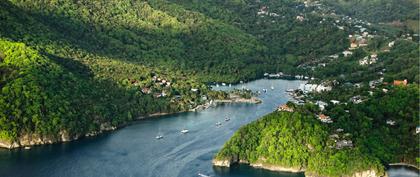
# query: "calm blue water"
{"type": "Point", "coordinates": [134, 151]}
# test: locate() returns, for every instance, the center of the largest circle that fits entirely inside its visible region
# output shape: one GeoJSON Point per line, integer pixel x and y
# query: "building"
{"type": "Point", "coordinates": [347, 53]}
{"type": "Point", "coordinates": [325, 119]}
{"type": "Point", "coordinates": [391, 44]}
{"type": "Point", "coordinates": [300, 18]}
{"type": "Point", "coordinates": [390, 122]}
{"type": "Point", "coordinates": [400, 82]}
{"type": "Point", "coordinates": [335, 101]}
{"type": "Point", "coordinates": [285, 108]}
{"type": "Point", "coordinates": [353, 45]}
{"type": "Point", "coordinates": [343, 143]}
{"type": "Point", "coordinates": [146, 90]}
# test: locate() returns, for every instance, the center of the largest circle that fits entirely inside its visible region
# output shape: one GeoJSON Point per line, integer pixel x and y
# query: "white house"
{"type": "Point", "coordinates": [347, 53]}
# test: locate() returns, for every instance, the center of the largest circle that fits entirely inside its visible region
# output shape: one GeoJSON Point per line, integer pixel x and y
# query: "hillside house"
{"type": "Point", "coordinates": [335, 101]}
{"type": "Point", "coordinates": [400, 82]}
{"type": "Point", "coordinates": [390, 122]}
{"type": "Point", "coordinates": [300, 18]}
{"type": "Point", "coordinates": [343, 143]}
{"type": "Point", "coordinates": [285, 108]}
{"type": "Point", "coordinates": [347, 53]}
{"type": "Point", "coordinates": [325, 119]}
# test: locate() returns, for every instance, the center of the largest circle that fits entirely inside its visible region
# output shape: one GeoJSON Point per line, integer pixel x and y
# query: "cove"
{"type": "Point", "coordinates": [134, 151]}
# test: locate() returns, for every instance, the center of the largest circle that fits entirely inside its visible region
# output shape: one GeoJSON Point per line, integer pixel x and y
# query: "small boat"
{"type": "Point", "coordinates": [159, 137]}
{"type": "Point", "coordinates": [264, 90]}
{"type": "Point", "coordinates": [202, 175]}
{"type": "Point", "coordinates": [27, 147]}
{"type": "Point", "coordinates": [230, 85]}
{"type": "Point", "coordinates": [227, 119]}
{"type": "Point", "coordinates": [290, 90]}
{"type": "Point", "coordinates": [272, 88]}
{"type": "Point", "coordinates": [217, 85]}
{"type": "Point", "coordinates": [223, 84]}
{"type": "Point", "coordinates": [184, 131]}
{"type": "Point", "coordinates": [218, 123]}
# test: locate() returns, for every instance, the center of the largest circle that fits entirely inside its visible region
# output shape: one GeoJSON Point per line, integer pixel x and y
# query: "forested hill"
{"type": "Point", "coordinates": [220, 41]}
{"type": "Point", "coordinates": [70, 68]}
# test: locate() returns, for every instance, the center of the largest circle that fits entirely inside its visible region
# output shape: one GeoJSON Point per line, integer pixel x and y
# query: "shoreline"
{"type": "Point", "coordinates": [29, 140]}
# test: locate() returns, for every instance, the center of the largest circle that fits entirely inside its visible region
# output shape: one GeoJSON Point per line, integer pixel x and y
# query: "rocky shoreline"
{"type": "Point", "coordinates": [229, 162]}
{"type": "Point", "coordinates": [33, 139]}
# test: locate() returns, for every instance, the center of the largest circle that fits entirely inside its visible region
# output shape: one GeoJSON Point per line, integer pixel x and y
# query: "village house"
{"type": "Point", "coordinates": [344, 143]}
{"type": "Point", "coordinates": [390, 122]}
{"type": "Point", "coordinates": [300, 18]}
{"type": "Point", "coordinates": [335, 101]}
{"type": "Point", "coordinates": [353, 45]}
{"type": "Point", "coordinates": [347, 53]}
{"type": "Point", "coordinates": [400, 82]}
{"type": "Point", "coordinates": [263, 11]}
{"type": "Point", "coordinates": [391, 44]}
{"type": "Point", "coordinates": [334, 136]}
{"type": "Point", "coordinates": [356, 99]}
{"type": "Point", "coordinates": [335, 56]}
{"type": "Point", "coordinates": [363, 43]}
{"type": "Point", "coordinates": [321, 105]}
{"type": "Point", "coordinates": [325, 119]}
{"type": "Point", "coordinates": [314, 87]}
{"type": "Point", "coordinates": [285, 108]}
{"type": "Point", "coordinates": [146, 90]}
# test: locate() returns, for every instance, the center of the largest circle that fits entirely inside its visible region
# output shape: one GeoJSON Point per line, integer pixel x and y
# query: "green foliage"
{"type": "Point", "coordinates": [295, 140]}
{"type": "Point", "coordinates": [378, 10]}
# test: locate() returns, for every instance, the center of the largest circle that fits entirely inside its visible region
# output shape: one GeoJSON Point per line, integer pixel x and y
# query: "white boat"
{"type": "Point", "coordinates": [264, 90]}
{"type": "Point", "coordinates": [159, 137]}
{"type": "Point", "coordinates": [290, 90]}
{"type": "Point", "coordinates": [227, 119]}
{"type": "Point", "coordinates": [184, 131]}
{"type": "Point", "coordinates": [202, 175]}
{"type": "Point", "coordinates": [272, 88]}
{"type": "Point", "coordinates": [27, 147]}
{"type": "Point", "coordinates": [224, 84]}
{"type": "Point", "coordinates": [218, 123]}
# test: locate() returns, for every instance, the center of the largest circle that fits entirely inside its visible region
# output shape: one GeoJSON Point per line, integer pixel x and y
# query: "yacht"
{"type": "Point", "coordinates": [184, 131]}
{"type": "Point", "coordinates": [202, 175]}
